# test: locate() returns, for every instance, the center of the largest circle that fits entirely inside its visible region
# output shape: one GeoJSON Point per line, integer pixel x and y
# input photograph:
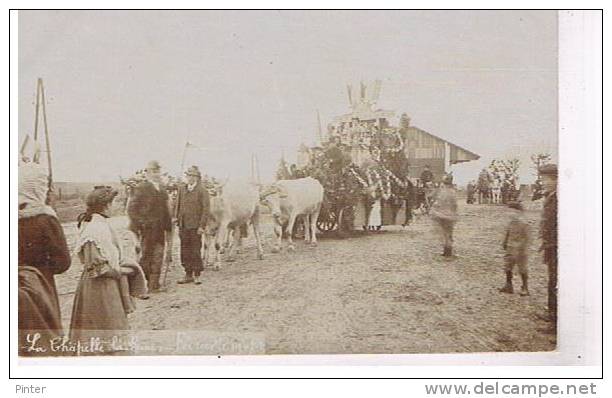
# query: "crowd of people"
{"type": "Point", "coordinates": [494, 186]}
{"type": "Point", "coordinates": [113, 275]}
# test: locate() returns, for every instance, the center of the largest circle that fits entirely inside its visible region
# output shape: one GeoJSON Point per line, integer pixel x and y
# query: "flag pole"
{"type": "Point", "coordinates": [170, 234]}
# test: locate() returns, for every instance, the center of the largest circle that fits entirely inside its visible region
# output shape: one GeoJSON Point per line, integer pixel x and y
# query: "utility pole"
{"type": "Point", "coordinates": [41, 103]}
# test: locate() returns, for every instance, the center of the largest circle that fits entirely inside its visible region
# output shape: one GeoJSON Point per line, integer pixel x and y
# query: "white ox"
{"type": "Point", "coordinates": [288, 199]}
{"type": "Point", "coordinates": [234, 204]}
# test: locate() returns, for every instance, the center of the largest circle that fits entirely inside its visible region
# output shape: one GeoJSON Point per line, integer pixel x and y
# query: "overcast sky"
{"type": "Point", "coordinates": [127, 87]}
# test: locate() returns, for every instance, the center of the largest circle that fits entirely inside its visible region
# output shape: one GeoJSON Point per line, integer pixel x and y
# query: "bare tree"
{"type": "Point", "coordinates": [539, 160]}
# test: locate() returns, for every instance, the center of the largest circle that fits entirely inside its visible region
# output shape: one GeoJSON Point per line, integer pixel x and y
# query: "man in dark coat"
{"type": "Point", "coordinates": [192, 209]}
{"type": "Point", "coordinates": [548, 234]}
{"type": "Point", "coordinates": [150, 220]}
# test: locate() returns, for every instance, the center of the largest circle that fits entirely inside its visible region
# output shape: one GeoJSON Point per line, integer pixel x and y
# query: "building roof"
{"type": "Point", "coordinates": [458, 153]}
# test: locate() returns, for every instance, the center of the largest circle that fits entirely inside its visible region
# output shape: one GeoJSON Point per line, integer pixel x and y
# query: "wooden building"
{"type": "Point", "coordinates": [423, 148]}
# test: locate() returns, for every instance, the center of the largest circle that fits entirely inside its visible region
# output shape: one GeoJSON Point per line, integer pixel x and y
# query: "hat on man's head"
{"type": "Point", "coordinates": [100, 196]}
{"type": "Point", "coordinates": [549, 169]}
{"type": "Point", "coordinates": [193, 171]}
{"type": "Point", "coordinates": [153, 165]}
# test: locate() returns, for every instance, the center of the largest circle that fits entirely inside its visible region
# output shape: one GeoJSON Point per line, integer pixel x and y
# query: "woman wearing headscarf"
{"type": "Point", "coordinates": [109, 280]}
{"type": "Point", "coordinates": [43, 253]}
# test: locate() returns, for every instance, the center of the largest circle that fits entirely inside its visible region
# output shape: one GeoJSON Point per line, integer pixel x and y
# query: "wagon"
{"type": "Point", "coordinates": [364, 148]}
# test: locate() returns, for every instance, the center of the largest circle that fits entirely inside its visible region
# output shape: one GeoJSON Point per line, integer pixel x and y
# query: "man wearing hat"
{"type": "Point", "coordinates": [191, 213]}
{"type": "Point", "coordinates": [150, 220]}
{"type": "Point", "coordinates": [548, 234]}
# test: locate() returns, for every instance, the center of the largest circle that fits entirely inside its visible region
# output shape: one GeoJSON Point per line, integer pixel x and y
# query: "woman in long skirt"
{"type": "Point", "coordinates": [103, 298]}
{"type": "Point", "coordinates": [375, 219]}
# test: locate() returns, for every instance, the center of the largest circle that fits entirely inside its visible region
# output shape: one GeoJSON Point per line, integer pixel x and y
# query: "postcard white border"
{"type": "Point", "coordinates": [580, 260]}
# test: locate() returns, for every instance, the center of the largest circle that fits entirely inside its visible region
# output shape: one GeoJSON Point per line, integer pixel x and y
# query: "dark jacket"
{"type": "Point", "coordinates": [42, 245]}
{"type": "Point", "coordinates": [43, 252]}
{"type": "Point", "coordinates": [192, 207]}
{"type": "Point", "coordinates": [548, 229]}
{"type": "Point", "coordinates": [148, 209]}
{"type": "Point", "coordinates": [426, 176]}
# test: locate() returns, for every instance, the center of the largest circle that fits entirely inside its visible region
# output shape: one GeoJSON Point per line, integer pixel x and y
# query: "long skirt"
{"type": "Point", "coordinates": [375, 218]}
{"type": "Point", "coordinates": [39, 313]}
{"type": "Point", "coordinates": [99, 317]}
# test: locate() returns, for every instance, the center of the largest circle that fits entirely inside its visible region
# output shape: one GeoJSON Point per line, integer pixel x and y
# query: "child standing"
{"type": "Point", "coordinates": [516, 243]}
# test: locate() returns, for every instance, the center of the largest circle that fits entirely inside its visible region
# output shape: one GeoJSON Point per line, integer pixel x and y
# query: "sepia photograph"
{"type": "Point", "coordinates": [218, 183]}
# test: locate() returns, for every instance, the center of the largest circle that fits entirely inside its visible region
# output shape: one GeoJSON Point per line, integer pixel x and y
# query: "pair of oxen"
{"type": "Point", "coordinates": [236, 205]}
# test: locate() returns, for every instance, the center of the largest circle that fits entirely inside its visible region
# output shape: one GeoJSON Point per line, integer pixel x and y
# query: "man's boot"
{"type": "Point", "coordinates": [508, 288]}
{"type": "Point", "coordinates": [188, 278]}
{"type": "Point", "coordinates": [525, 287]}
{"type": "Point", "coordinates": [196, 279]}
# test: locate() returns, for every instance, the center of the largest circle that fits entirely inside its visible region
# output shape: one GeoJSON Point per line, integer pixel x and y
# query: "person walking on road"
{"type": "Point", "coordinates": [444, 213]}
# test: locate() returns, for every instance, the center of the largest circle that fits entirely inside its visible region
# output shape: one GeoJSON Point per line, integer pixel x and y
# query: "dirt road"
{"type": "Point", "coordinates": [388, 292]}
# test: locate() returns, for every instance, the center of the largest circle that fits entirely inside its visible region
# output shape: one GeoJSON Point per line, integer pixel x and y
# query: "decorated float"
{"type": "Point", "coordinates": [370, 168]}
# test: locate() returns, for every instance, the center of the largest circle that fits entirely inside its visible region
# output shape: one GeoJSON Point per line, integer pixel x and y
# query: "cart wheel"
{"type": "Point", "coordinates": [327, 222]}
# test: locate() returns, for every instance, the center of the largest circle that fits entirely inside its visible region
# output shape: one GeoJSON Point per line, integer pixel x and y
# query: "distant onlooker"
{"type": "Point", "coordinates": [427, 176]}
{"type": "Point", "coordinates": [516, 243]}
{"type": "Point", "coordinates": [471, 192]}
{"type": "Point", "coordinates": [538, 190]}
